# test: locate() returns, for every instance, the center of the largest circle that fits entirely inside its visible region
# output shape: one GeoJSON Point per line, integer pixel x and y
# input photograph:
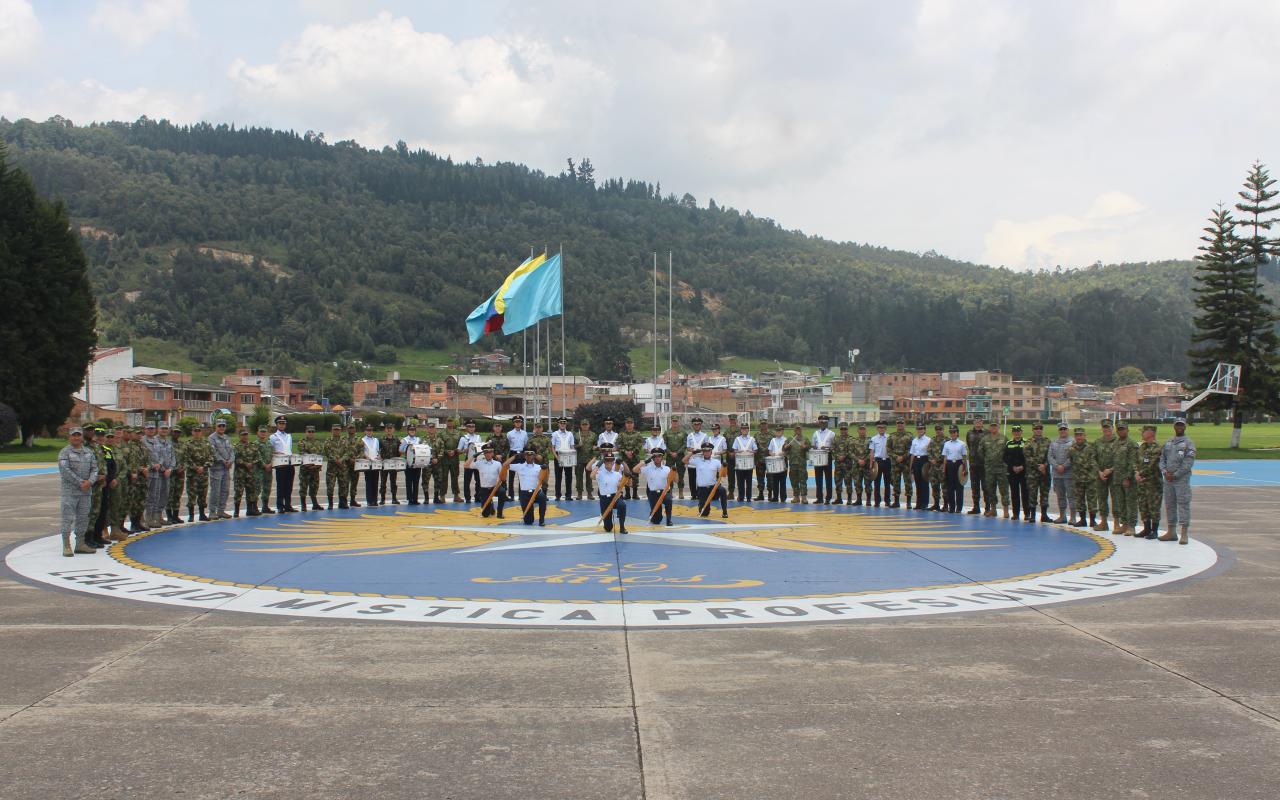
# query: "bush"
{"type": "Point", "coordinates": [620, 410]}
{"type": "Point", "coordinates": [8, 424]}
{"type": "Point", "coordinates": [187, 424]}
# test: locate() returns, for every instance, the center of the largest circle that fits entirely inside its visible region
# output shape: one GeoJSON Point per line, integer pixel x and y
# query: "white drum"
{"type": "Point", "coordinates": [312, 460]}
{"type": "Point", "coordinates": [820, 458]}
{"type": "Point", "coordinates": [421, 455]}
{"type": "Point", "coordinates": [566, 458]}
{"type": "Point", "coordinates": [365, 465]}
{"type": "Point", "coordinates": [744, 461]}
{"type": "Point", "coordinates": [775, 464]}
{"type": "Point", "coordinates": [281, 460]}
{"type": "Point", "coordinates": [393, 463]}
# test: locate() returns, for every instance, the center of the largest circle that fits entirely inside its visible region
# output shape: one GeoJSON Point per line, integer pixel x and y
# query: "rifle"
{"type": "Point", "coordinates": [622, 484]}
{"type": "Point", "coordinates": [671, 478]}
{"type": "Point", "coordinates": [542, 477]}
{"type": "Point", "coordinates": [502, 478]}
{"type": "Point", "coordinates": [724, 471]}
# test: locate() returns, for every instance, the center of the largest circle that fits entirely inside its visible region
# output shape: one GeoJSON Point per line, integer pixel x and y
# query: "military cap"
{"type": "Point", "coordinates": [337, 426]}
{"type": "Point", "coordinates": [921, 426]}
{"type": "Point", "coordinates": [1016, 429]}
{"type": "Point", "coordinates": [881, 423]}
{"type": "Point", "coordinates": [608, 455]}
{"type": "Point", "coordinates": [655, 427]}
{"type": "Point", "coordinates": [1106, 423]}
{"type": "Point", "coordinates": [978, 420]}
{"type": "Point", "coordinates": [844, 425]}
{"type": "Point", "coordinates": [1039, 426]}
{"type": "Point", "coordinates": [244, 431]}
{"type": "Point", "coordinates": [706, 445]}
{"type": "Point", "coordinates": [311, 429]}
{"type": "Point", "coordinates": [954, 429]}
{"type": "Point", "coordinates": [823, 418]}
{"type": "Point", "coordinates": [470, 422]}
{"type": "Point", "coordinates": [608, 419]}
{"type": "Point", "coordinates": [487, 446]}
{"type": "Point", "coordinates": [75, 431]}
{"type": "Point", "coordinates": [149, 426]}
{"type": "Point", "coordinates": [99, 428]}
{"type": "Point", "coordinates": [220, 423]}
{"type": "Point", "coordinates": [715, 426]}
{"type": "Point", "coordinates": [1078, 430]}
{"type": "Point", "coordinates": [390, 425]}
{"type": "Point", "coordinates": [280, 419]}
{"type": "Point", "coordinates": [1062, 426]}
{"type": "Point", "coordinates": [351, 426]}
{"type": "Point", "coordinates": [1180, 421]}
{"type": "Point", "coordinates": [899, 421]}
{"type": "Point", "coordinates": [565, 420]}
{"type": "Point", "coordinates": [937, 426]}
{"type": "Point", "coordinates": [630, 420]}
{"type": "Point", "coordinates": [529, 451]}
{"type": "Point", "coordinates": [199, 426]}
{"type": "Point", "coordinates": [657, 451]}
{"type": "Point", "coordinates": [862, 426]}
{"type": "Point", "coordinates": [110, 433]}
{"type": "Point", "coordinates": [263, 429]}
{"type": "Point", "coordinates": [412, 426]}
{"type": "Point", "coordinates": [696, 419]}
{"type": "Point", "coordinates": [1151, 428]}
{"type": "Point", "coordinates": [517, 418]}
{"type": "Point", "coordinates": [368, 426]}
{"type": "Point", "coordinates": [1122, 424]}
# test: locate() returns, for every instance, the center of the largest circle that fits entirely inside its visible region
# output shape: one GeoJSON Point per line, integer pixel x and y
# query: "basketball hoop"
{"type": "Point", "coordinates": [1225, 380]}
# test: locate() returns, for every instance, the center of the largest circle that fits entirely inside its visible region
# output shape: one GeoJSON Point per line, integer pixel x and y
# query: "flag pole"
{"type": "Point", "coordinates": [524, 366]}
{"type": "Point", "coordinates": [654, 392]}
{"type": "Point", "coordinates": [564, 397]}
{"type": "Point", "coordinates": [671, 343]}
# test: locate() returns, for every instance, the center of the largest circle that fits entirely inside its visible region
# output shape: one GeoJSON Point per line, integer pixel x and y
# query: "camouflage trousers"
{"type": "Point", "coordinates": [449, 478]}
{"type": "Point", "coordinates": [95, 503]}
{"type": "Point", "coordinates": [177, 481]}
{"type": "Point", "coordinates": [799, 475]}
{"type": "Point", "coordinates": [336, 473]}
{"type": "Point", "coordinates": [136, 496]}
{"type": "Point", "coordinates": [1102, 495]}
{"type": "Point", "coordinates": [1038, 487]}
{"type": "Point", "coordinates": [996, 478]}
{"type": "Point", "coordinates": [937, 475]}
{"type": "Point", "coordinates": [262, 475]}
{"type": "Point", "coordinates": [157, 497]}
{"type": "Point", "coordinates": [1150, 494]}
{"type": "Point", "coordinates": [1085, 492]}
{"type": "Point", "coordinates": [899, 475]}
{"type": "Point", "coordinates": [116, 506]}
{"type": "Point", "coordinates": [844, 480]}
{"type": "Point", "coordinates": [197, 489]}
{"type": "Point", "coordinates": [246, 484]}
{"type": "Point", "coordinates": [582, 479]}
{"type": "Point", "coordinates": [309, 482]}
{"type": "Point", "coordinates": [75, 513]}
{"type": "Point", "coordinates": [762, 477]}
{"type": "Point", "coordinates": [1177, 502]}
{"type": "Point", "coordinates": [353, 482]}
{"type": "Point", "coordinates": [1124, 501]}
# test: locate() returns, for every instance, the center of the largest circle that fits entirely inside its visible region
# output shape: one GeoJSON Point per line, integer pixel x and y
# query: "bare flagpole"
{"type": "Point", "coordinates": [564, 397]}
{"type": "Point", "coordinates": [524, 366]}
{"type": "Point", "coordinates": [671, 342]}
{"type": "Point", "coordinates": [655, 334]}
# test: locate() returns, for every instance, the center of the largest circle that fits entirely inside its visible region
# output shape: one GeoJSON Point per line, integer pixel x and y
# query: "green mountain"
{"type": "Point", "coordinates": [239, 243]}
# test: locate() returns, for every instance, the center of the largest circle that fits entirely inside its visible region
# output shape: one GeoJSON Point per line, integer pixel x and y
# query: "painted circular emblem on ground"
{"type": "Point", "coordinates": [765, 564]}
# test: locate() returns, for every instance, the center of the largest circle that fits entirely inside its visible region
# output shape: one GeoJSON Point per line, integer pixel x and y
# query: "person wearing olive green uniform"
{"type": "Point", "coordinates": [674, 438]}
{"type": "Point", "coordinates": [354, 449]}
{"type": "Point", "coordinates": [1124, 501]}
{"type": "Point", "coordinates": [431, 472]}
{"type": "Point", "coordinates": [248, 459]}
{"type": "Point", "coordinates": [842, 458]}
{"type": "Point", "coordinates": [449, 438]}
{"type": "Point", "coordinates": [996, 474]}
{"type": "Point", "coordinates": [388, 447]}
{"type": "Point", "coordinates": [177, 479]}
{"type": "Point", "coordinates": [197, 458]}
{"type": "Point", "coordinates": [309, 475]}
{"type": "Point", "coordinates": [935, 470]}
{"type": "Point", "coordinates": [263, 475]}
{"type": "Point", "coordinates": [94, 446]}
{"type": "Point", "coordinates": [631, 453]}
{"type": "Point", "coordinates": [898, 448]}
{"type": "Point", "coordinates": [100, 525]}
{"type": "Point", "coordinates": [117, 509]}
{"type": "Point", "coordinates": [585, 447]}
{"type": "Point", "coordinates": [136, 490]}
{"type": "Point", "coordinates": [977, 475]}
{"type": "Point", "coordinates": [336, 453]}
{"type": "Point", "coordinates": [762, 438]}
{"type": "Point", "coordinates": [797, 451]}
{"type": "Point", "coordinates": [1038, 478]}
{"type": "Point", "coordinates": [1149, 486]}
{"type": "Point", "coordinates": [860, 465]}
{"type": "Point", "coordinates": [1104, 467]}
{"type": "Point", "coordinates": [1084, 476]}
{"type": "Point", "coordinates": [541, 444]}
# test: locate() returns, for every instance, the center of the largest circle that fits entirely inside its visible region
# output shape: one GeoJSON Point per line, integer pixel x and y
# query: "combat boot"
{"type": "Point", "coordinates": [342, 504]}
{"type": "Point", "coordinates": [1183, 537]}
{"type": "Point", "coordinates": [66, 545]}
{"type": "Point", "coordinates": [204, 516]}
{"type": "Point", "coordinates": [315, 504]}
{"type": "Point", "coordinates": [1145, 533]}
{"type": "Point", "coordinates": [1004, 510]}
{"type": "Point", "coordinates": [1044, 515]}
{"type": "Point", "coordinates": [191, 514]}
{"type": "Point", "coordinates": [304, 502]}
{"type": "Point", "coordinates": [839, 499]}
{"type": "Point", "coordinates": [1128, 529]}
{"type": "Point", "coordinates": [330, 502]}
{"type": "Point", "coordinates": [353, 503]}
{"type": "Point", "coordinates": [975, 509]}
{"type": "Point", "coordinates": [990, 512]}
{"type": "Point", "coordinates": [236, 509]}
{"type": "Point", "coordinates": [1101, 524]}
{"type": "Point", "coordinates": [1167, 536]}
{"type": "Point", "coordinates": [253, 509]}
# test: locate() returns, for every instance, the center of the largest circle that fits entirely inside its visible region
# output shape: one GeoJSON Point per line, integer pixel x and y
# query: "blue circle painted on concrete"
{"type": "Point", "coordinates": [762, 551]}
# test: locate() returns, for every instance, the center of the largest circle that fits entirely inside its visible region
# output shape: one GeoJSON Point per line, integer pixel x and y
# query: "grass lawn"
{"type": "Point", "coordinates": [752, 366]}
{"type": "Point", "coordinates": [45, 451]}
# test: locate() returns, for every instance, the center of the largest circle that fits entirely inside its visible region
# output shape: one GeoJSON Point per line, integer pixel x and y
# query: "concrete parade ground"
{"type": "Point", "coordinates": [1170, 691]}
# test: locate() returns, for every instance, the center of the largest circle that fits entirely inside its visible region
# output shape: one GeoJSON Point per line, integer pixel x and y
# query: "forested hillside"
{"type": "Point", "coordinates": [236, 241]}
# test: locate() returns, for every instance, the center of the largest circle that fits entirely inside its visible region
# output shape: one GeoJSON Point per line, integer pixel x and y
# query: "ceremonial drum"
{"type": "Point", "coordinates": [567, 458]}
{"type": "Point", "coordinates": [819, 458]}
{"type": "Point", "coordinates": [393, 463]}
{"type": "Point", "coordinates": [312, 460]}
{"type": "Point", "coordinates": [775, 464]}
{"type": "Point", "coordinates": [744, 461]}
{"type": "Point", "coordinates": [365, 465]}
{"type": "Point", "coordinates": [421, 456]}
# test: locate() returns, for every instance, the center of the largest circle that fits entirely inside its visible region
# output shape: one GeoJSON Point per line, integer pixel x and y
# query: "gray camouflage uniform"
{"type": "Point", "coordinates": [1178, 457]}
{"type": "Point", "coordinates": [1060, 455]}
{"type": "Point", "coordinates": [219, 478]}
{"type": "Point", "coordinates": [76, 464]}
{"type": "Point", "coordinates": [159, 451]}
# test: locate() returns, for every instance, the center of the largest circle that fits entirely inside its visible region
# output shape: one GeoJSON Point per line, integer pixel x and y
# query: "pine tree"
{"type": "Point", "coordinates": [1235, 322]}
{"type": "Point", "coordinates": [1256, 209]}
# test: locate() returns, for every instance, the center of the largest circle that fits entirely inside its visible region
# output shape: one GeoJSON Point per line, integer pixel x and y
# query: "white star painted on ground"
{"type": "Point", "coordinates": [583, 532]}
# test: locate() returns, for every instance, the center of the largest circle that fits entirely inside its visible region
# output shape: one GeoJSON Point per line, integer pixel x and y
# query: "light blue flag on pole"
{"type": "Point", "coordinates": [533, 296]}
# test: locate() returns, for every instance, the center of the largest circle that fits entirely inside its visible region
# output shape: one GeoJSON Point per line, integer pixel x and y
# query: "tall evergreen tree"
{"type": "Point", "coordinates": [48, 330]}
{"type": "Point", "coordinates": [1235, 322]}
{"type": "Point", "coordinates": [1256, 209]}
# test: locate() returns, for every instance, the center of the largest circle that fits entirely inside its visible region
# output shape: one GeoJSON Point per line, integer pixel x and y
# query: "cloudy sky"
{"type": "Point", "coordinates": [1011, 133]}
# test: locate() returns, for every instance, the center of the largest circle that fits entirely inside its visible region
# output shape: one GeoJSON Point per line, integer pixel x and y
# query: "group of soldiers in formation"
{"type": "Point", "coordinates": [137, 476]}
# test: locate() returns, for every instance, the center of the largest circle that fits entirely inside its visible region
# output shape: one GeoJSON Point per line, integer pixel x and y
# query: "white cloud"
{"type": "Point", "coordinates": [20, 31]}
{"type": "Point", "coordinates": [136, 22]}
{"type": "Point", "coordinates": [91, 101]}
{"type": "Point", "coordinates": [379, 80]}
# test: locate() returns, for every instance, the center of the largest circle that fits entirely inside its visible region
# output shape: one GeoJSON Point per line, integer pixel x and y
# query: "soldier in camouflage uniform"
{"type": "Point", "coordinates": [197, 458]}
{"type": "Point", "coordinates": [136, 485]}
{"type": "Point", "coordinates": [936, 471]}
{"type": "Point", "coordinates": [762, 438]}
{"type": "Point", "coordinates": [110, 488]}
{"type": "Point", "coordinates": [263, 476]}
{"type": "Point", "coordinates": [1149, 483]}
{"type": "Point", "coordinates": [674, 438]}
{"type": "Point", "coordinates": [388, 447]}
{"type": "Point", "coordinates": [248, 459]}
{"type": "Point", "coordinates": [1124, 500]}
{"type": "Point", "coordinates": [585, 447]}
{"type": "Point", "coordinates": [977, 475]}
{"type": "Point", "coordinates": [797, 450]}
{"type": "Point", "coordinates": [431, 472]}
{"type": "Point", "coordinates": [117, 508]}
{"type": "Point", "coordinates": [355, 449]}
{"type": "Point", "coordinates": [631, 453]}
{"type": "Point", "coordinates": [177, 479]}
{"type": "Point", "coordinates": [860, 465]}
{"type": "Point", "coordinates": [1084, 476]}
{"type": "Point", "coordinates": [337, 454]}
{"type": "Point", "coordinates": [995, 474]}
{"type": "Point", "coordinates": [842, 458]}
{"type": "Point", "coordinates": [449, 438]}
{"type": "Point", "coordinates": [1104, 465]}
{"type": "Point", "coordinates": [898, 449]}
{"type": "Point", "coordinates": [309, 476]}
{"type": "Point", "coordinates": [94, 446]}
{"type": "Point", "coordinates": [541, 444]}
{"type": "Point", "coordinates": [1038, 478]}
